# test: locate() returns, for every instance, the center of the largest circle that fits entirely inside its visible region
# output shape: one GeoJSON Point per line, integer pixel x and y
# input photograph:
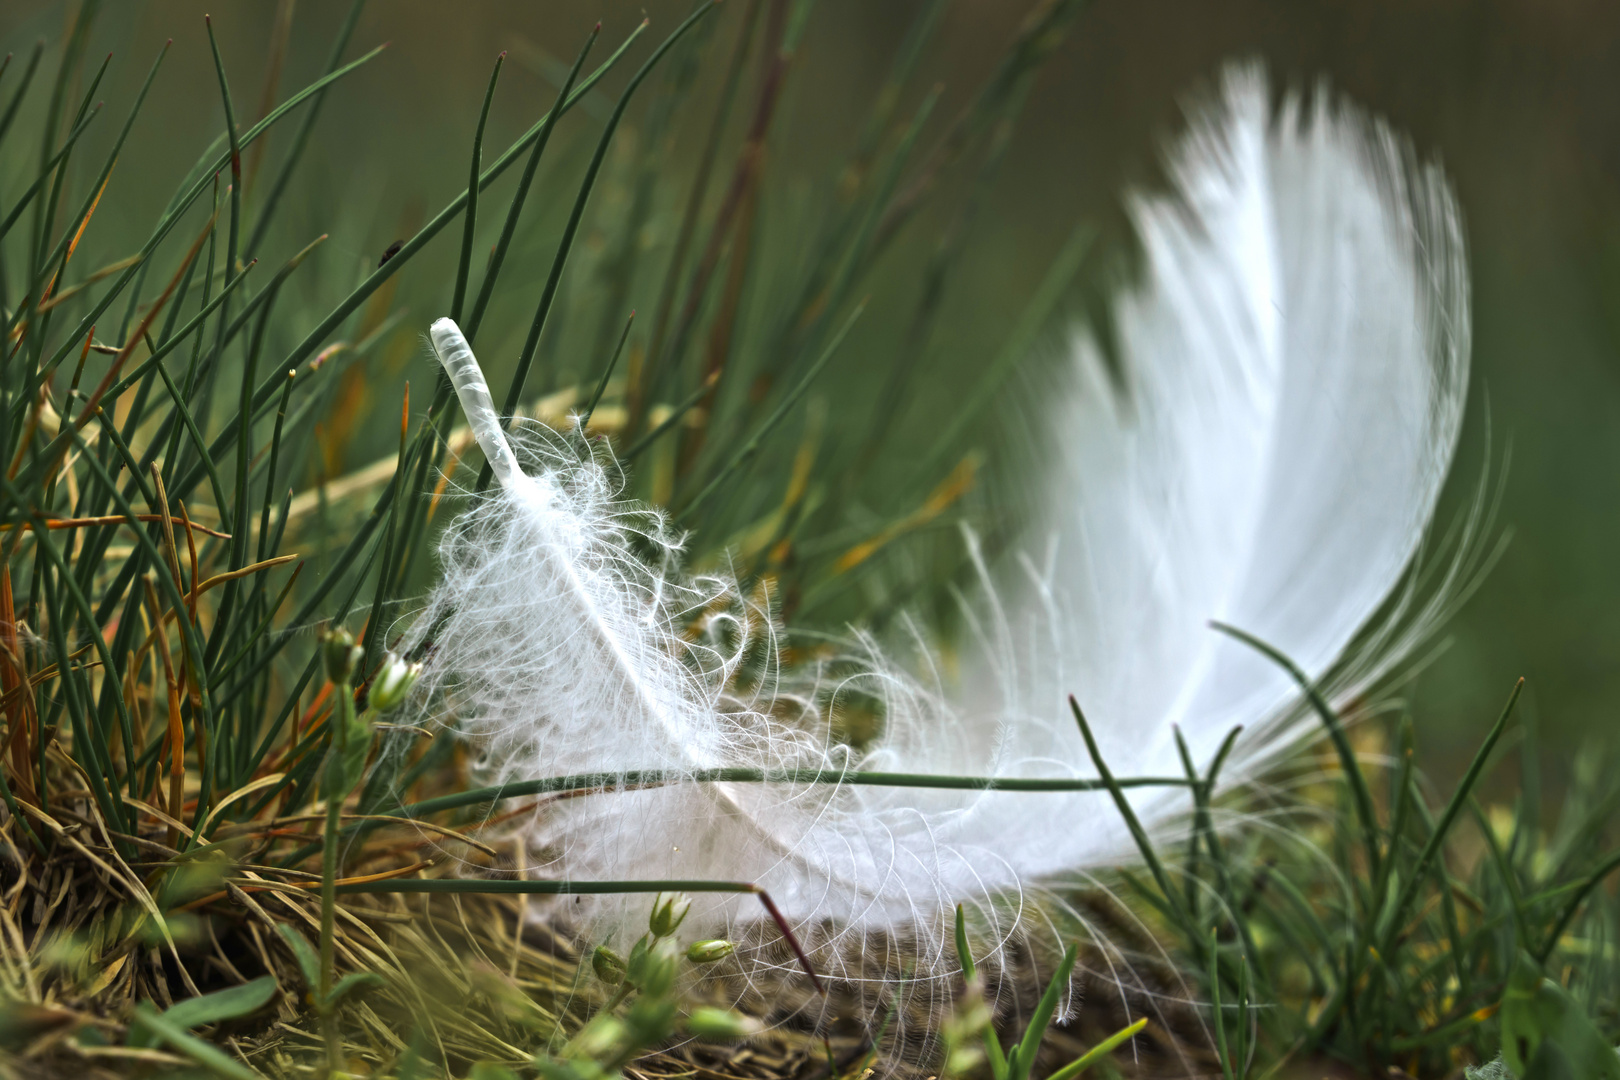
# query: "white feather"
{"type": "Point", "coordinates": [1294, 371]}
{"type": "Point", "coordinates": [561, 644]}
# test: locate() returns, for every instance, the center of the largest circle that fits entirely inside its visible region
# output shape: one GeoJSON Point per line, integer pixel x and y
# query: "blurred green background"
{"type": "Point", "coordinates": [1519, 98]}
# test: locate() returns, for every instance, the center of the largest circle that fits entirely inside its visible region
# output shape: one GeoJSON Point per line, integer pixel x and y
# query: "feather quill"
{"type": "Point", "coordinates": [1295, 364]}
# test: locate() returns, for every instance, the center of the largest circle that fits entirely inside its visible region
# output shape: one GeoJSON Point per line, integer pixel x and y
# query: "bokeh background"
{"type": "Point", "coordinates": [1520, 99]}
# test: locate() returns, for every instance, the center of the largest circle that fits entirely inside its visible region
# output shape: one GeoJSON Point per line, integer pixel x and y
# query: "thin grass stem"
{"type": "Point", "coordinates": [607, 373]}
{"type": "Point", "coordinates": [1353, 775]}
{"type": "Point", "coordinates": [1116, 788]}
{"type": "Point", "coordinates": [470, 219]}
{"type": "Point", "coordinates": [301, 137]}
{"type": "Point", "coordinates": [746, 453]}
{"type": "Point", "coordinates": [497, 256]}
{"type": "Point", "coordinates": [542, 310]}
{"type": "Point", "coordinates": [1447, 817]}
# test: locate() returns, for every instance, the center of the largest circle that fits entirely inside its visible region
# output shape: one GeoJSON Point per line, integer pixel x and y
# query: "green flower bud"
{"type": "Point", "coordinates": [963, 1060]}
{"type": "Point", "coordinates": [341, 655]}
{"type": "Point", "coordinates": [660, 967]}
{"type": "Point", "coordinates": [392, 683]}
{"type": "Point", "coordinates": [598, 1040]}
{"type": "Point", "coordinates": [669, 911]}
{"type": "Point", "coordinates": [707, 952]}
{"type": "Point", "coordinates": [638, 959]}
{"type": "Point", "coordinates": [651, 1019]}
{"type": "Point", "coordinates": [652, 969]}
{"type": "Point", "coordinates": [608, 965]}
{"type": "Point", "coordinates": [721, 1025]}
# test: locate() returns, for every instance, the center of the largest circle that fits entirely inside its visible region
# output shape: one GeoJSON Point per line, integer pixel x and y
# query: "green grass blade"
{"type": "Point", "coordinates": [1040, 35]}
{"type": "Point", "coordinates": [203, 1053]}
{"type": "Point", "coordinates": [1132, 822]}
{"type": "Point", "coordinates": [1399, 804]}
{"type": "Point", "coordinates": [855, 259]}
{"type": "Point", "coordinates": [1307, 915]}
{"type": "Point", "coordinates": [182, 203]}
{"type": "Point", "coordinates": [471, 217]}
{"type": "Point", "coordinates": [137, 410]}
{"type": "Point", "coordinates": [175, 456]}
{"type": "Point", "coordinates": [33, 189]}
{"type": "Point", "coordinates": [910, 53]}
{"type": "Point", "coordinates": [743, 456]}
{"type": "Point", "coordinates": [259, 404]}
{"type": "Point", "coordinates": [374, 281]}
{"type": "Point", "coordinates": [737, 206]}
{"type": "Point", "coordinates": [301, 138]}
{"type": "Point", "coordinates": [49, 277]}
{"type": "Point", "coordinates": [549, 294]}
{"type": "Point", "coordinates": [497, 256]}
{"type": "Point", "coordinates": [668, 423]}
{"type": "Point", "coordinates": [231, 1003]}
{"type": "Point", "coordinates": [226, 616]}
{"type": "Point", "coordinates": [165, 581]}
{"type": "Point", "coordinates": [1505, 873]}
{"type": "Point", "coordinates": [72, 53]}
{"type": "Point", "coordinates": [87, 748]}
{"type": "Point", "coordinates": [1242, 1063]}
{"type": "Point", "coordinates": [1573, 906]}
{"type": "Point", "coordinates": [855, 173]}
{"type": "Point", "coordinates": [964, 955]}
{"type": "Point", "coordinates": [374, 630]}
{"type": "Point", "coordinates": [182, 409]}
{"type": "Point", "coordinates": [1447, 817]}
{"type": "Point", "coordinates": [272, 731]}
{"type": "Point", "coordinates": [1212, 837]}
{"type": "Point", "coordinates": [648, 177]}
{"type": "Point", "coordinates": [313, 339]}
{"type": "Point", "coordinates": [244, 438]}
{"type": "Point", "coordinates": [228, 669]}
{"type": "Point", "coordinates": [428, 454]}
{"type": "Point", "coordinates": [17, 95]}
{"type": "Point", "coordinates": [1216, 1015]}
{"type": "Point", "coordinates": [17, 815]}
{"type": "Point", "coordinates": [607, 373]}
{"type": "Point", "coordinates": [45, 217]}
{"type": "Point", "coordinates": [270, 469]}
{"type": "Point", "coordinates": [1353, 775]}
{"type": "Point", "coordinates": [1019, 1066]}
{"type": "Point", "coordinates": [865, 778]}
{"type": "Point", "coordinates": [689, 216]}
{"type": "Point", "coordinates": [312, 604]}
{"type": "Point", "coordinates": [234, 236]}
{"type": "Point", "coordinates": [148, 367]}
{"type": "Point", "coordinates": [515, 789]}
{"type": "Point", "coordinates": [507, 887]}
{"type": "Point", "coordinates": [1037, 313]}
{"type": "Point", "coordinates": [137, 479]}
{"type": "Point", "coordinates": [1098, 1052]}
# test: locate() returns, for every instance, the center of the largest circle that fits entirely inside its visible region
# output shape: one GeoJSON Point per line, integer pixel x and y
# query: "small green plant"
{"type": "Point", "coordinates": [1392, 959]}
{"type": "Point", "coordinates": [349, 745]}
{"type": "Point", "coordinates": [972, 1024]}
{"type": "Point", "coordinates": [173, 1026]}
{"type": "Point", "coordinates": [644, 1007]}
{"type": "Point", "coordinates": [1546, 1034]}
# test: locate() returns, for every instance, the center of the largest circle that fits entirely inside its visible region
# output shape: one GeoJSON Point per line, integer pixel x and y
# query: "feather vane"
{"type": "Point", "coordinates": [1294, 367]}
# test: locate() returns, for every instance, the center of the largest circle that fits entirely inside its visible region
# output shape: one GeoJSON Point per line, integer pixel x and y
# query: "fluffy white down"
{"type": "Point", "coordinates": [1294, 370]}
